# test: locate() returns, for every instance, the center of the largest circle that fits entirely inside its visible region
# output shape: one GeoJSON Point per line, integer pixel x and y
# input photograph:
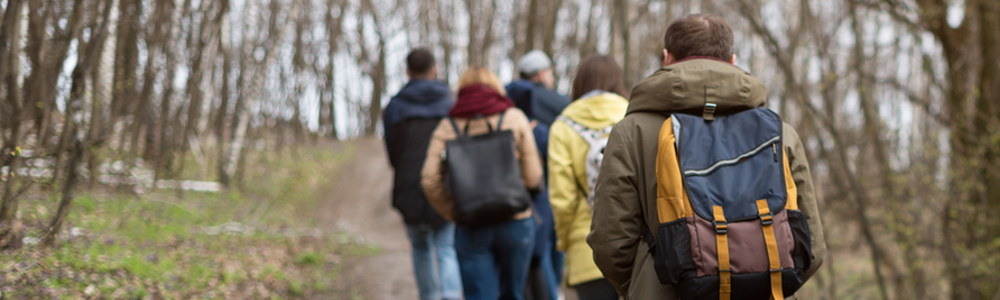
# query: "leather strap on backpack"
{"type": "Point", "coordinates": [465, 132]}
{"type": "Point", "coordinates": [722, 249]}
{"type": "Point", "coordinates": [499, 121]}
{"type": "Point", "coordinates": [455, 126]}
{"type": "Point", "coordinates": [648, 236]}
{"type": "Point", "coordinates": [766, 220]}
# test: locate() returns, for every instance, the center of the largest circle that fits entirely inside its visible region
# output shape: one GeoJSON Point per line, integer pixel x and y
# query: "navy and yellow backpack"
{"type": "Point", "coordinates": [729, 224]}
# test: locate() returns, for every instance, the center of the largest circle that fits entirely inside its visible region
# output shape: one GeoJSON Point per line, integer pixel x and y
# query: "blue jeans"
{"type": "Point", "coordinates": [430, 244]}
{"type": "Point", "coordinates": [495, 259]}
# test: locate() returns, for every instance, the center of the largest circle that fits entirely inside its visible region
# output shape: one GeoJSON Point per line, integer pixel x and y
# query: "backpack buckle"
{"type": "Point", "coordinates": [766, 219]}
{"type": "Point", "coordinates": [721, 227]}
{"type": "Point", "coordinates": [709, 112]}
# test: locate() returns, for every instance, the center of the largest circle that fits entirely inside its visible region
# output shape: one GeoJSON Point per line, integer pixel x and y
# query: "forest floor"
{"type": "Point", "coordinates": [277, 237]}
{"type": "Point", "coordinates": [360, 205]}
{"type": "Point", "coordinates": [310, 223]}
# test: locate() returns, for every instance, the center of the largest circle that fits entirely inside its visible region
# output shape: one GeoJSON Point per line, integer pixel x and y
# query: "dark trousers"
{"type": "Point", "coordinates": [600, 289]}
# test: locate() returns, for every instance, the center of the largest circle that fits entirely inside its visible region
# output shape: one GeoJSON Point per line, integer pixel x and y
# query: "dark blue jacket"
{"type": "Point", "coordinates": [537, 101]}
{"type": "Point", "coordinates": [544, 105]}
{"type": "Point", "coordinates": [545, 233]}
{"type": "Point", "coordinates": [428, 99]}
{"type": "Point", "coordinates": [409, 120]}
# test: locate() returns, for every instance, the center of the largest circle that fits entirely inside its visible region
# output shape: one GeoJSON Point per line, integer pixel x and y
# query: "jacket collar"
{"type": "Point", "coordinates": [700, 57]}
{"type": "Point", "coordinates": [686, 86]}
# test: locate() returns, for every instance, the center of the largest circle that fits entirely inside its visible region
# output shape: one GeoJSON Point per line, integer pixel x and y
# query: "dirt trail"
{"type": "Point", "coordinates": [360, 205]}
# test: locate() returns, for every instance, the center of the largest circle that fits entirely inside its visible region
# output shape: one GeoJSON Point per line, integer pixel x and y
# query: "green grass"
{"type": "Point", "coordinates": [192, 245]}
{"type": "Point", "coordinates": [308, 259]}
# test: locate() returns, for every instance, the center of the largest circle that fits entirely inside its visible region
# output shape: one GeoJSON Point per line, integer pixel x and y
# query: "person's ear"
{"type": "Point", "coordinates": [732, 60]}
{"type": "Point", "coordinates": [549, 77]}
{"type": "Point", "coordinates": [667, 58]}
{"type": "Point", "coordinates": [433, 73]}
{"type": "Point", "coordinates": [409, 74]}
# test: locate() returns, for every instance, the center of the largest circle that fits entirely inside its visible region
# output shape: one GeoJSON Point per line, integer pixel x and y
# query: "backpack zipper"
{"type": "Point", "coordinates": [774, 148]}
{"type": "Point", "coordinates": [732, 161]}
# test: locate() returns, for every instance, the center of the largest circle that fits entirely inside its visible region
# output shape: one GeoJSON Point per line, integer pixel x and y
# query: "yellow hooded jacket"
{"type": "Point", "coordinates": [567, 176]}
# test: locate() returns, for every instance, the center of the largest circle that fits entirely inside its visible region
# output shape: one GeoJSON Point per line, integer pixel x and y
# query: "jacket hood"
{"type": "Point", "coordinates": [686, 87]}
{"type": "Point", "coordinates": [599, 111]}
{"type": "Point", "coordinates": [537, 101]}
{"type": "Point", "coordinates": [519, 91]}
{"type": "Point", "coordinates": [423, 92]}
{"type": "Point", "coordinates": [419, 99]}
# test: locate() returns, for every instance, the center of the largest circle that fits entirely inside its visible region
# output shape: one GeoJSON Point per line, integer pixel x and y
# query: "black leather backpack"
{"type": "Point", "coordinates": [484, 176]}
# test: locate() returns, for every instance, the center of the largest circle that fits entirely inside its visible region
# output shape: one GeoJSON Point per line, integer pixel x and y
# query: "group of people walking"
{"type": "Point", "coordinates": [510, 191]}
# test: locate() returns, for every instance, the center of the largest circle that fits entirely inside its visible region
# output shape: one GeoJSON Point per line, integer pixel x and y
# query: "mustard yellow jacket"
{"type": "Point", "coordinates": [568, 187]}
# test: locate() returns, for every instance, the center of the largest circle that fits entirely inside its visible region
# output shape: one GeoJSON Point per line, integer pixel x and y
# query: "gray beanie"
{"type": "Point", "coordinates": [532, 62]}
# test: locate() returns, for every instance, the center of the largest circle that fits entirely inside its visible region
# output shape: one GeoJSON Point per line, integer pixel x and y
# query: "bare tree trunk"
{"type": "Point", "coordinates": [10, 226]}
{"type": "Point", "coordinates": [974, 197]}
{"type": "Point", "coordinates": [334, 32]}
{"type": "Point", "coordinates": [70, 33]}
{"type": "Point", "coordinates": [873, 129]}
{"type": "Point", "coordinates": [66, 202]}
{"type": "Point", "coordinates": [38, 49]}
{"type": "Point", "coordinates": [208, 27]}
{"type": "Point", "coordinates": [378, 88]}
{"type": "Point", "coordinates": [242, 120]}
{"type": "Point", "coordinates": [225, 153]}
{"type": "Point", "coordinates": [480, 32]}
{"type": "Point", "coordinates": [622, 20]}
{"type": "Point", "coordinates": [532, 25]}
{"type": "Point", "coordinates": [126, 58]}
{"type": "Point", "coordinates": [298, 72]}
{"type": "Point", "coordinates": [374, 67]}
{"type": "Point", "coordinates": [549, 37]}
{"type": "Point", "coordinates": [74, 124]}
{"type": "Point", "coordinates": [987, 121]}
{"type": "Point", "coordinates": [590, 41]}
{"type": "Point", "coordinates": [155, 44]}
{"type": "Point", "coordinates": [100, 91]}
{"type": "Point", "coordinates": [165, 153]}
{"type": "Point", "coordinates": [988, 116]}
{"type": "Point", "coordinates": [446, 41]}
{"type": "Point", "coordinates": [474, 49]}
{"type": "Point", "coordinates": [220, 118]}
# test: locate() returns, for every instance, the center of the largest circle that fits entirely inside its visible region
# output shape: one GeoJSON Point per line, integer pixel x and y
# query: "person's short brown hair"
{"type": "Point", "coordinates": [598, 72]}
{"type": "Point", "coordinates": [699, 35]}
{"type": "Point", "coordinates": [420, 61]}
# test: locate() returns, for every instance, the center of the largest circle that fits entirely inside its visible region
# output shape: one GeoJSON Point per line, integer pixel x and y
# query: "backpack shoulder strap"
{"type": "Point", "coordinates": [458, 132]}
{"type": "Point", "coordinates": [499, 121]}
{"type": "Point", "coordinates": [793, 191]}
{"type": "Point", "coordinates": [671, 196]}
{"type": "Point", "coordinates": [591, 136]}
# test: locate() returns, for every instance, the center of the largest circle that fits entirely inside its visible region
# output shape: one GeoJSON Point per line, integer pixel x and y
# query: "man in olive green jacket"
{"type": "Point", "coordinates": [698, 67]}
